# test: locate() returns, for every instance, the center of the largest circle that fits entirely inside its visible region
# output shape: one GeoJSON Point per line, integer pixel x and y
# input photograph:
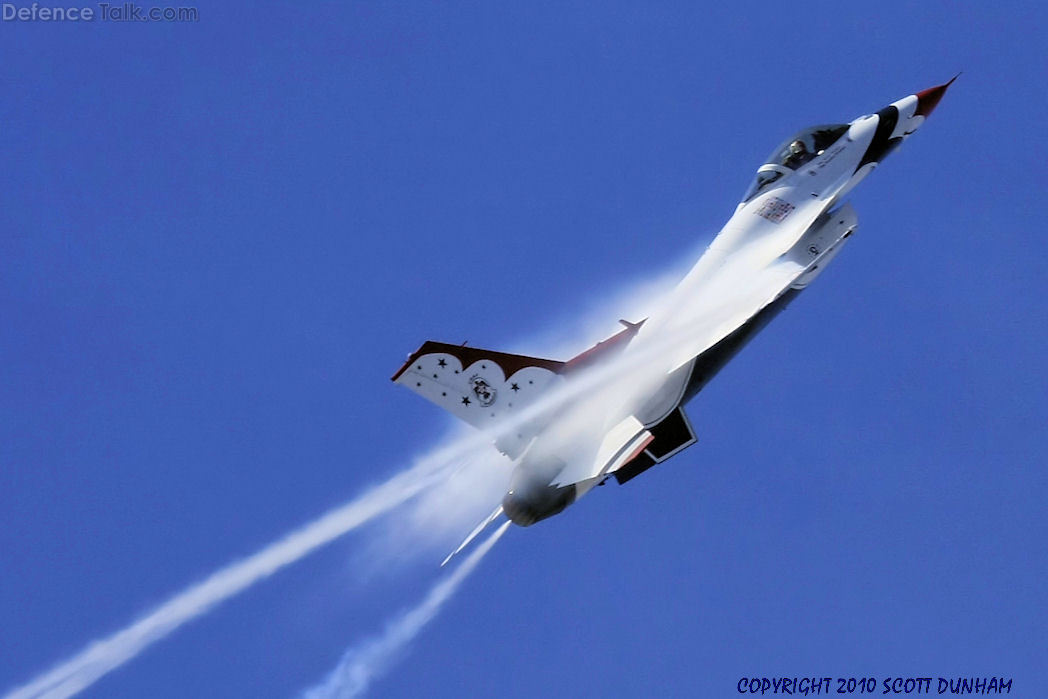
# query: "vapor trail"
{"type": "Point", "coordinates": [104, 655]}
{"type": "Point", "coordinates": [367, 660]}
{"type": "Point", "coordinates": [725, 284]}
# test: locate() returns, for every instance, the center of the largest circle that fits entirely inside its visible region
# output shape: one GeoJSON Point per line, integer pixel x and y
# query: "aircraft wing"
{"type": "Point", "coordinates": [720, 300]}
{"type": "Point", "coordinates": [628, 445]}
{"type": "Point", "coordinates": [716, 306]}
{"type": "Point", "coordinates": [722, 317]}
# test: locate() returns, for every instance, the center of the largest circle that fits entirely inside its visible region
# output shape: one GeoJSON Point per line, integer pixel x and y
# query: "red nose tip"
{"type": "Point", "coordinates": [928, 100]}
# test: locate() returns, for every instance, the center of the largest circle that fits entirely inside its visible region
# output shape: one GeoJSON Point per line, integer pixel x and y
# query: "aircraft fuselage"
{"type": "Point", "coordinates": [787, 229]}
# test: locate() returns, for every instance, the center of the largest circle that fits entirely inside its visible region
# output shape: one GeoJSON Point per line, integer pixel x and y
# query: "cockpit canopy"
{"type": "Point", "coordinates": [795, 151]}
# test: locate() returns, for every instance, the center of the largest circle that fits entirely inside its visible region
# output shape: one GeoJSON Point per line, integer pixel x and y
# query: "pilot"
{"type": "Point", "coordinates": [798, 154]}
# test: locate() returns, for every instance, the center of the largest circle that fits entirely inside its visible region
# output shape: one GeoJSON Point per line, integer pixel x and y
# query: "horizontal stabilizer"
{"type": "Point", "coordinates": [620, 445]}
{"type": "Point", "coordinates": [671, 436]}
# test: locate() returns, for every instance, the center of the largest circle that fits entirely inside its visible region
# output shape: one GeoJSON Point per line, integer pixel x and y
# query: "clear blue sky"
{"type": "Point", "coordinates": [218, 240]}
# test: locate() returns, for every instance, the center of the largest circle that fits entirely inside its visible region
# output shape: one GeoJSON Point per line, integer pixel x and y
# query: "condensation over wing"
{"type": "Point", "coordinates": [479, 386]}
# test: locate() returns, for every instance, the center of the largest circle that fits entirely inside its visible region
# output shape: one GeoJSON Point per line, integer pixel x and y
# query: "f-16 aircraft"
{"type": "Point", "coordinates": [617, 409]}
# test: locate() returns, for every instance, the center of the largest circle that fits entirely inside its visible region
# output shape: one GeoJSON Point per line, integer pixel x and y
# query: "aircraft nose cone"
{"type": "Point", "coordinates": [928, 100]}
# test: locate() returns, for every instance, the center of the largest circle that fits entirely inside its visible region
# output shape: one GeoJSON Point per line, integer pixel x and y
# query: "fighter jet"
{"type": "Point", "coordinates": [617, 409]}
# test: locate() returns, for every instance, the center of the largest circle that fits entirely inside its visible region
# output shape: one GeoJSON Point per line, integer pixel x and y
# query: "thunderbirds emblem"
{"type": "Point", "coordinates": [484, 393]}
